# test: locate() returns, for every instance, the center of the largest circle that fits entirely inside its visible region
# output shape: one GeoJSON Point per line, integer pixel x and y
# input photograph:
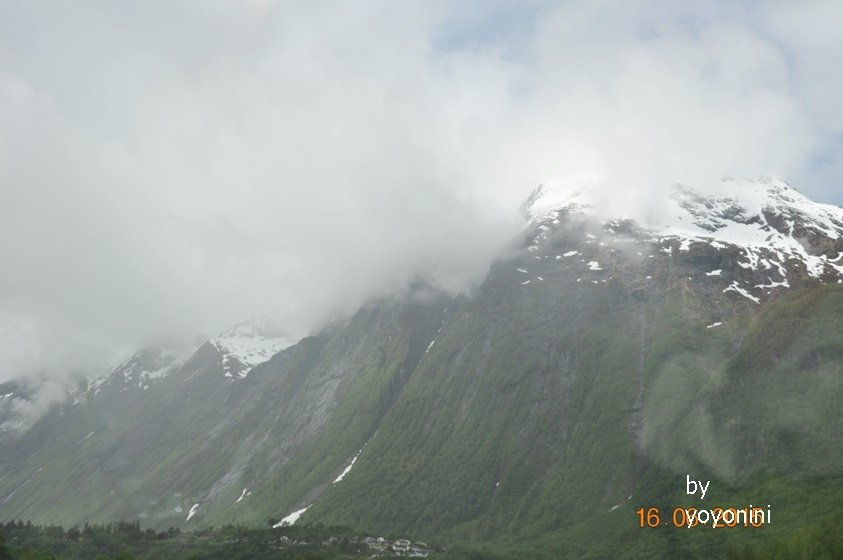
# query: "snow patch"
{"type": "Point", "coordinates": [348, 468]}
{"type": "Point", "coordinates": [291, 519]}
{"type": "Point", "coordinates": [734, 287]}
{"type": "Point", "coordinates": [773, 284]}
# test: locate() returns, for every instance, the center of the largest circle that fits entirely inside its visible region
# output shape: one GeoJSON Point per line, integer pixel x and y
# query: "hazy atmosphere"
{"type": "Point", "coordinates": [488, 279]}
{"type": "Point", "coordinates": [171, 169]}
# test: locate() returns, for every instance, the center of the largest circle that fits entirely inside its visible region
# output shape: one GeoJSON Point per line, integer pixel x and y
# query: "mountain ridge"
{"type": "Point", "coordinates": [587, 370]}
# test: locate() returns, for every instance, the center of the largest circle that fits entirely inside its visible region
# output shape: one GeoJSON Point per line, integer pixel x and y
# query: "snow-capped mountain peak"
{"type": "Point", "coordinates": [141, 369]}
{"type": "Point", "coordinates": [769, 229]}
{"type": "Point", "coordinates": [733, 200]}
{"type": "Point", "coordinates": [763, 206]}
{"type": "Point", "coordinates": [248, 344]}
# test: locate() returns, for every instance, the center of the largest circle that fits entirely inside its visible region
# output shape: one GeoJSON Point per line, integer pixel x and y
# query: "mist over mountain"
{"type": "Point", "coordinates": [203, 165]}
{"type": "Point", "coordinates": [607, 352]}
{"type": "Point", "coordinates": [490, 276]}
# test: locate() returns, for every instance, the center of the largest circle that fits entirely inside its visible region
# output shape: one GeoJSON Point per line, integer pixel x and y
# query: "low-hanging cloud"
{"type": "Point", "coordinates": [169, 168]}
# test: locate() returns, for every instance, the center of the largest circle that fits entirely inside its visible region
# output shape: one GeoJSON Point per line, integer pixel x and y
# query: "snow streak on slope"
{"type": "Point", "coordinates": [243, 494]}
{"type": "Point", "coordinates": [290, 519]}
{"type": "Point", "coordinates": [348, 468]}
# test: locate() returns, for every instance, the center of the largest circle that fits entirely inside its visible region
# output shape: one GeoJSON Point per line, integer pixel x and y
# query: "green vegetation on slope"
{"type": "Point", "coordinates": [523, 422]}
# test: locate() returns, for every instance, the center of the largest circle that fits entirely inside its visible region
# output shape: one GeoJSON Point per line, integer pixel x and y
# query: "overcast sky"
{"type": "Point", "coordinates": [174, 167]}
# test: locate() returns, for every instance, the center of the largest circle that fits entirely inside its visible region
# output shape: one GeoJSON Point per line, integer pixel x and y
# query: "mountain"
{"type": "Point", "coordinates": [610, 355]}
{"type": "Point", "coordinates": [771, 230]}
{"type": "Point", "coordinates": [248, 344]}
{"type": "Point", "coordinates": [13, 397]}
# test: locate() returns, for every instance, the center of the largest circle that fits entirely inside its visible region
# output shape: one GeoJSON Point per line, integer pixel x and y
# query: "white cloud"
{"type": "Point", "coordinates": [166, 168]}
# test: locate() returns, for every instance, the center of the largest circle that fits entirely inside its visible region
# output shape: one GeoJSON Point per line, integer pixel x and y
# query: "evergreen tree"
{"type": "Point", "coordinates": [4, 550]}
